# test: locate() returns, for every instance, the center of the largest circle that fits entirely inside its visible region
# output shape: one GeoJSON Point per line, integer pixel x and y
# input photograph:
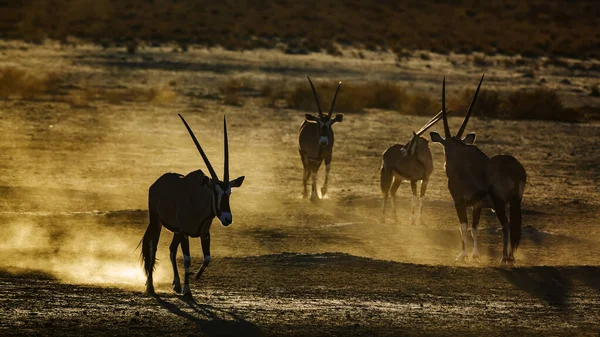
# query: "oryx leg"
{"type": "Point", "coordinates": [395, 186]}
{"type": "Point", "coordinates": [475, 223]}
{"type": "Point", "coordinates": [461, 211]}
{"type": "Point", "coordinates": [420, 209]}
{"type": "Point", "coordinates": [305, 182]}
{"type": "Point", "coordinates": [327, 169]}
{"type": "Point", "coordinates": [500, 208]}
{"type": "Point", "coordinates": [173, 256]}
{"type": "Point", "coordinates": [205, 241]}
{"type": "Point", "coordinates": [385, 183]}
{"type": "Point", "coordinates": [149, 246]}
{"type": "Point", "coordinates": [306, 175]}
{"type": "Point", "coordinates": [414, 201]}
{"type": "Point", "coordinates": [187, 263]}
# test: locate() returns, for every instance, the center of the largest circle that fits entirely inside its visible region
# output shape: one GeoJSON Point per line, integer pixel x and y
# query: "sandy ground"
{"type": "Point", "coordinates": [74, 180]}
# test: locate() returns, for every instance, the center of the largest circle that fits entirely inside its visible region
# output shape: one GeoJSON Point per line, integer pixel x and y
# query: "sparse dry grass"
{"type": "Point", "coordinates": [529, 28]}
{"type": "Point", "coordinates": [153, 95]}
{"type": "Point", "coordinates": [356, 97]}
{"type": "Point", "coordinates": [26, 83]}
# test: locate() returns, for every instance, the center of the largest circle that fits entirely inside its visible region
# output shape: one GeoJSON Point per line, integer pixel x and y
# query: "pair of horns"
{"type": "Point", "coordinates": [213, 174]}
{"type": "Point", "coordinates": [317, 98]}
{"type": "Point", "coordinates": [467, 116]}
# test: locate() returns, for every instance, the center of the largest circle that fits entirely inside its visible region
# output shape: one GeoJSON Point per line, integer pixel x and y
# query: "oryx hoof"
{"type": "Point", "coordinates": [462, 257]}
{"type": "Point", "coordinates": [177, 287]}
{"type": "Point", "coordinates": [150, 290]}
{"type": "Point", "coordinates": [475, 257]}
{"type": "Point", "coordinates": [200, 272]}
{"type": "Point", "coordinates": [323, 191]}
{"type": "Point", "coordinates": [187, 294]}
{"type": "Point", "coordinates": [507, 261]}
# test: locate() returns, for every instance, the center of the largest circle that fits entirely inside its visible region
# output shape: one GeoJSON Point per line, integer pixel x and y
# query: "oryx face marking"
{"type": "Point", "coordinates": [222, 194]}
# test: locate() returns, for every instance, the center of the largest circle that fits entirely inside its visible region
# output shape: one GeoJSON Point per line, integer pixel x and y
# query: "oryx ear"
{"type": "Point", "coordinates": [338, 118]}
{"type": "Point", "coordinates": [237, 182]}
{"type": "Point", "coordinates": [204, 180]}
{"type": "Point", "coordinates": [436, 138]}
{"type": "Point", "coordinates": [311, 118]}
{"type": "Point", "coordinates": [469, 139]}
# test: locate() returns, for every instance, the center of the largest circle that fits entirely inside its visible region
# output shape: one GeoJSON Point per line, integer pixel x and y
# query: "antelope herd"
{"type": "Point", "coordinates": [186, 205]}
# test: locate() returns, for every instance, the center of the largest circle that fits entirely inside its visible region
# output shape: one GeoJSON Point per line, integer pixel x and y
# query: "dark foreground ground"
{"type": "Point", "coordinates": [317, 295]}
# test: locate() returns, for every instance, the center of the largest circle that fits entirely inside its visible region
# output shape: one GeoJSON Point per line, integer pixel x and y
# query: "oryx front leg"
{"type": "Point", "coordinates": [327, 169]}
{"type": "Point", "coordinates": [461, 210]}
{"type": "Point", "coordinates": [476, 217]}
{"type": "Point", "coordinates": [205, 241]}
{"type": "Point", "coordinates": [313, 191]}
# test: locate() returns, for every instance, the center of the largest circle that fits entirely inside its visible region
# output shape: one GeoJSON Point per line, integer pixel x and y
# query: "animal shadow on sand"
{"type": "Point", "coordinates": [209, 320]}
{"type": "Point", "coordinates": [549, 284]}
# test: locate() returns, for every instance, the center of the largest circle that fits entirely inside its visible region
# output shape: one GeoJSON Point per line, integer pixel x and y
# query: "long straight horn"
{"type": "Point", "coordinates": [208, 165]}
{"type": "Point", "coordinates": [466, 120]}
{"type": "Point", "coordinates": [446, 127]}
{"type": "Point", "coordinates": [334, 98]}
{"type": "Point", "coordinates": [316, 98]}
{"type": "Point", "coordinates": [226, 152]}
{"type": "Point", "coordinates": [429, 124]}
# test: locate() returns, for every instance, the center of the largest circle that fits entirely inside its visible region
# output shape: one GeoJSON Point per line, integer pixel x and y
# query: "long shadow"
{"type": "Point", "coordinates": [208, 321]}
{"type": "Point", "coordinates": [545, 283]}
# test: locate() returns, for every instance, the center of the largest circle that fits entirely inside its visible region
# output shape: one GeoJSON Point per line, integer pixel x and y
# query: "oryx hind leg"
{"type": "Point", "coordinates": [414, 201]}
{"type": "Point", "coordinates": [306, 174]}
{"type": "Point", "coordinates": [421, 196]}
{"type": "Point", "coordinates": [393, 190]}
{"type": "Point", "coordinates": [149, 246]}
{"type": "Point", "coordinates": [385, 183]}
{"type": "Point", "coordinates": [500, 208]}
{"type": "Point", "coordinates": [173, 256]}
{"type": "Point", "coordinates": [187, 263]}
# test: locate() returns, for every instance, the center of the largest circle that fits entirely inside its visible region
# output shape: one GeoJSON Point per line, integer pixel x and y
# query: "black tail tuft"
{"type": "Point", "coordinates": [149, 244]}
{"type": "Point", "coordinates": [515, 223]}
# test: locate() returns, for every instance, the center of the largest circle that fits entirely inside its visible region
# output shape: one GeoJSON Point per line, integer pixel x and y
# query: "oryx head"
{"type": "Point", "coordinates": [221, 188]}
{"type": "Point", "coordinates": [454, 143]}
{"type": "Point", "coordinates": [411, 147]}
{"type": "Point", "coordinates": [324, 121]}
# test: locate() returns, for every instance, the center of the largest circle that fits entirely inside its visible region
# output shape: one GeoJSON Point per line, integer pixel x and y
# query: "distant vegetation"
{"type": "Point", "coordinates": [25, 83]}
{"type": "Point", "coordinates": [528, 27]}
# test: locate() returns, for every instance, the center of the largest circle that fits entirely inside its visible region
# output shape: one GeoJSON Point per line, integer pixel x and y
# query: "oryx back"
{"type": "Point", "coordinates": [184, 204]}
{"type": "Point", "coordinates": [506, 177]}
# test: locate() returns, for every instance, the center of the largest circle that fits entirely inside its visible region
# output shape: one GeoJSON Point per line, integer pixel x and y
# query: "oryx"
{"type": "Point", "coordinates": [473, 176]}
{"type": "Point", "coordinates": [186, 205]}
{"type": "Point", "coordinates": [412, 162]}
{"type": "Point", "coordinates": [316, 143]}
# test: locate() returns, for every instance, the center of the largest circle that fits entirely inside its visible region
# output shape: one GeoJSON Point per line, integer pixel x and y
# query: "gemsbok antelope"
{"type": "Point", "coordinates": [316, 143]}
{"type": "Point", "coordinates": [186, 205]}
{"type": "Point", "coordinates": [473, 176]}
{"type": "Point", "coordinates": [412, 162]}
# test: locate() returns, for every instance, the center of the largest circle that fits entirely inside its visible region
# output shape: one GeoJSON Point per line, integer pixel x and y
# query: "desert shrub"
{"type": "Point", "coordinates": [542, 104]}
{"type": "Point", "coordinates": [231, 91]}
{"type": "Point", "coordinates": [595, 90]}
{"type": "Point", "coordinates": [154, 95]}
{"type": "Point", "coordinates": [537, 104]}
{"type": "Point", "coordinates": [26, 83]}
